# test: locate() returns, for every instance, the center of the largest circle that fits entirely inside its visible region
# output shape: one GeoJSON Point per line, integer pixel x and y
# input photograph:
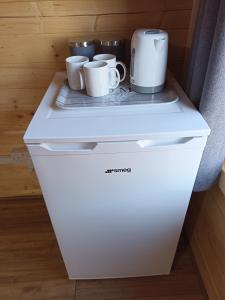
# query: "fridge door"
{"type": "Point", "coordinates": [117, 208]}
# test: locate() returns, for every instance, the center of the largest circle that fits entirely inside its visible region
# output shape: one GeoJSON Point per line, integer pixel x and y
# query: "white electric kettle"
{"type": "Point", "coordinates": [149, 51]}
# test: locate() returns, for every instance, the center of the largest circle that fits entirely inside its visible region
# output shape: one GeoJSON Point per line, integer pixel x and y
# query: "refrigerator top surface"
{"type": "Point", "coordinates": [134, 122]}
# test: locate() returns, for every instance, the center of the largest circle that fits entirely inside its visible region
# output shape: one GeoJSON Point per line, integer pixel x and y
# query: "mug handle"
{"type": "Point", "coordinates": [114, 70]}
{"type": "Point", "coordinates": [82, 82]}
{"type": "Point", "coordinates": [124, 69]}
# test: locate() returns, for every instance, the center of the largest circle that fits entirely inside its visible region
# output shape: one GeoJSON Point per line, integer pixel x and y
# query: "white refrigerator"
{"type": "Point", "coordinates": [116, 183]}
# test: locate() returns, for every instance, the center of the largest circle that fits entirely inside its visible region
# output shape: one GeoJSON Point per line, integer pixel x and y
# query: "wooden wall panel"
{"type": "Point", "coordinates": [33, 46]}
{"type": "Point", "coordinates": [176, 20]}
{"type": "Point", "coordinates": [128, 21]}
{"type": "Point", "coordinates": [48, 50]}
{"type": "Point", "coordinates": [96, 7]}
{"type": "Point", "coordinates": [70, 24]}
{"type": "Point", "coordinates": [19, 77]}
{"type": "Point", "coordinates": [205, 226]}
{"type": "Point", "coordinates": [18, 180]}
{"type": "Point", "coordinates": [42, 50]}
{"type": "Point", "coordinates": [178, 4]}
{"type": "Point", "coordinates": [19, 9]}
{"type": "Point", "coordinates": [20, 26]}
{"type": "Point", "coordinates": [20, 99]}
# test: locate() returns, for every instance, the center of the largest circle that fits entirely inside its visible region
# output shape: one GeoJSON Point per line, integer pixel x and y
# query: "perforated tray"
{"type": "Point", "coordinates": [121, 96]}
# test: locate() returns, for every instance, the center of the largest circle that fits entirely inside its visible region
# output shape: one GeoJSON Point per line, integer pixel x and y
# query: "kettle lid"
{"type": "Point", "coordinates": [150, 32]}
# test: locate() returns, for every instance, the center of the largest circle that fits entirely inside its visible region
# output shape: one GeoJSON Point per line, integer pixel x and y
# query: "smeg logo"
{"type": "Point", "coordinates": [124, 170]}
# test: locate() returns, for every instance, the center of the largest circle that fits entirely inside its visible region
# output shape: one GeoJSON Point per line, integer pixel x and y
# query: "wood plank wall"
{"type": "Point", "coordinates": [205, 227]}
{"type": "Point", "coordinates": [33, 46]}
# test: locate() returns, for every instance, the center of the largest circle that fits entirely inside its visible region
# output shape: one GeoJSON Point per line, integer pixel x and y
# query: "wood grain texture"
{"type": "Point", "coordinates": [128, 21]}
{"type": "Point", "coordinates": [38, 290]}
{"type": "Point", "coordinates": [193, 19]}
{"type": "Point", "coordinates": [33, 46]}
{"type": "Point", "coordinates": [205, 226]}
{"type": "Point", "coordinates": [98, 7]}
{"type": "Point", "coordinates": [20, 99]}
{"type": "Point", "coordinates": [68, 24]}
{"type": "Point", "coordinates": [19, 9]}
{"type": "Point", "coordinates": [20, 77]}
{"type": "Point", "coordinates": [222, 180]}
{"type": "Point", "coordinates": [32, 267]}
{"type": "Point", "coordinates": [18, 179]}
{"type": "Point", "coordinates": [45, 50]}
{"type": "Point", "coordinates": [190, 35]}
{"type": "Point", "coordinates": [16, 110]}
{"type": "Point", "coordinates": [47, 24]}
{"type": "Point", "coordinates": [12, 130]}
{"type": "Point", "coordinates": [49, 50]}
{"type": "Point", "coordinates": [176, 20]}
{"type": "Point", "coordinates": [31, 264]}
{"type": "Point", "coordinates": [178, 4]}
{"type": "Point", "coordinates": [20, 25]}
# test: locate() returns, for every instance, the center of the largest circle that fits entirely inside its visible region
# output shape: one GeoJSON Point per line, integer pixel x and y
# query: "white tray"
{"type": "Point", "coordinates": [121, 96]}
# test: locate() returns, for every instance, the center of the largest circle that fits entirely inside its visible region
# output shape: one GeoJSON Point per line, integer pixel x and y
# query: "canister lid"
{"type": "Point", "coordinates": [80, 43]}
{"type": "Point", "coordinates": [110, 42]}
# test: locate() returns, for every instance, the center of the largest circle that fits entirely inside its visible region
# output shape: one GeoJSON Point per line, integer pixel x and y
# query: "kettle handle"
{"type": "Point", "coordinates": [132, 62]}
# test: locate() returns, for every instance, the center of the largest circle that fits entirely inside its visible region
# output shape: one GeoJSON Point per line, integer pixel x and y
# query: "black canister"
{"type": "Point", "coordinates": [112, 46]}
{"type": "Point", "coordinates": [82, 48]}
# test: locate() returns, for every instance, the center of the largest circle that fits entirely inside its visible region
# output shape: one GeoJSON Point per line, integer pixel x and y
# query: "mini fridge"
{"type": "Point", "coordinates": [117, 182]}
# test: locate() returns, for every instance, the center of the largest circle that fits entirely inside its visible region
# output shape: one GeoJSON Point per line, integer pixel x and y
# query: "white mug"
{"type": "Point", "coordinates": [96, 75]}
{"type": "Point", "coordinates": [73, 65]}
{"type": "Point", "coordinates": [111, 60]}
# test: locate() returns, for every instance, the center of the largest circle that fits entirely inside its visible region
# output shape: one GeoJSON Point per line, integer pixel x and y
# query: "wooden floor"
{"type": "Point", "coordinates": [31, 266]}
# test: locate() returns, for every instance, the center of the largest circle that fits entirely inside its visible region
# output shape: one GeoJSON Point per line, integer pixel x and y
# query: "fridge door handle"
{"type": "Point", "coordinates": [166, 142]}
{"type": "Point", "coordinates": [144, 145]}
{"type": "Point", "coordinates": [84, 147]}
{"type": "Point", "coordinates": [114, 146]}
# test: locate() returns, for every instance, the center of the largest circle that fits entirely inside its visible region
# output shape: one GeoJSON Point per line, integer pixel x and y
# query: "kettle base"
{"type": "Point", "coordinates": [147, 90]}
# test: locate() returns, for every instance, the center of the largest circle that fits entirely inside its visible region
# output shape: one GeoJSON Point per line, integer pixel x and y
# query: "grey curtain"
{"type": "Point", "coordinates": [205, 86]}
